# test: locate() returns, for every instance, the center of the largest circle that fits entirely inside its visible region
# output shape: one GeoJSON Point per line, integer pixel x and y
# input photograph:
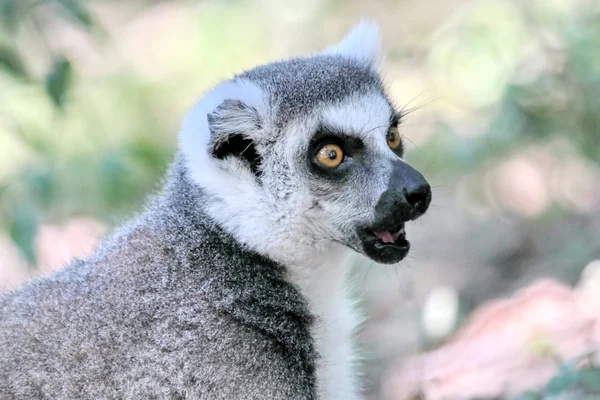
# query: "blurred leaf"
{"type": "Point", "coordinates": [41, 185]}
{"type": "Point", "coordinates": [76, 10]}
{"type": "Point", "coordinates": [567, 377]}
{"type": "Point", "coordinates": [58, 81]}
{"type": "Point", "coordinates": [152, 156]}
{"type": "Point", "coordinates": [116, 179]}
{"type": "Point", "coordinates": [11, 62]}
{"type": "Point", "coordinates": [9, 15]}
{"type": "Point", "coordinates": [23, 227]}
{"type": "Point", "coordinates": [591, 377]}
{"type": "Point", "coordinates": [528, 396]}
{"type": "Point", "coordinates": [561, 383]}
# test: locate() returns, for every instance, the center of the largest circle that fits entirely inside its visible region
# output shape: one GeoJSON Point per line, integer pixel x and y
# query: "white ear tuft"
{"type": "Point", "coordinates": [195, 135]}
{"type": "Point", "coordinates": [362, 43]}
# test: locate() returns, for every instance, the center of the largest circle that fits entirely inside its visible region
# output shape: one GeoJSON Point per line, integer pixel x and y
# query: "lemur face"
{"type": "Point", "coordinates": [363, 191]}
{"type": "Point", "coordinates": [301, 155]}
{"type": "Point", "coordinates": [348, 164]}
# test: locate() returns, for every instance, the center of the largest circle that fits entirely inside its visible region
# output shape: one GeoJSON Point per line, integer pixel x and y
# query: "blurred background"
{"type": "Point", "coordinates": [500, 297]}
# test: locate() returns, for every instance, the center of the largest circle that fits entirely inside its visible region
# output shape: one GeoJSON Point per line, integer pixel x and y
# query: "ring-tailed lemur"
{"type": "Point", "coordinates": [230, 285]}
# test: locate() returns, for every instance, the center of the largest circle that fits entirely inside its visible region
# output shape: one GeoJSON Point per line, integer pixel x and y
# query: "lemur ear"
{"type": "Point", "coordinates": [362, 43]}
{"type": "Point", "coordinates": [231, 125]}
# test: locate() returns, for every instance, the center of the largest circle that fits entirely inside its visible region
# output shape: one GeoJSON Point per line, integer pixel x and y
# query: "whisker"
{"type": "Point", "coordinates": [404, 112]}
{"type": "Point", "coordinates": [395, 268]}
{"type": "Point", "coordinates": [410, 101]}
{"type": "Point", "coordinates": [411, 142]}
{"type": "Point", "coordinates": [367, 274]}
{"type": "Point", "coordinates": [364, 133]}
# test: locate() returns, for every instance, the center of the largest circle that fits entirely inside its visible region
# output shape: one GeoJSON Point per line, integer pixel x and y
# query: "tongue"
{"type": "Point", "coordinates": [386, 237]}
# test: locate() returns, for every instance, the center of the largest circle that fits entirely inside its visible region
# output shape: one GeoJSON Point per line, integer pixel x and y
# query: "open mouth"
{"type": "Point", "coordinates": [385, 244]}
{"type": "Point", "coordinates": [397, 238]}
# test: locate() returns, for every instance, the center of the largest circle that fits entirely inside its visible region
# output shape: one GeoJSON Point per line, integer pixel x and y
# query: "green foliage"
{"type": "Point", "coordinates": [68, 163]}
{"type": "Point", "coordinates": [571, 378]}
{"type": "Point", "coordinates": [567, 377]}
{"type": "Point", "coordinates": [559, 99]}
{"type": "Point", "coordinates": [77, 10]}
{"type": "Point", "coordinates": [10, 61]}
{"type": "Point", "coordinates": [22, 228]}
{"type": "Point", "coordinates": [9, 13]}
{"type": "Point", "coordinates": [529, 396]}
{"type": "Point", "coordinates": [58, 81]}
{"type": "Point", "coordinates": [590, 377]}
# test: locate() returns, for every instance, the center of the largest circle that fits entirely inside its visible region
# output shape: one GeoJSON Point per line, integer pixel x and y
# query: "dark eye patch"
{"type": "Point", "coordinates": [352, 147]}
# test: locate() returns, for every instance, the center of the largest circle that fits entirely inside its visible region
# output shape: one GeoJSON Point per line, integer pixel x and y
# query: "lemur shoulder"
{"type": "Point", "coordinates": [231, 284]}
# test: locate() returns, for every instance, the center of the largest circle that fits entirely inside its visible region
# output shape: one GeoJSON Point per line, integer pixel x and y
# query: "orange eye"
{"type": "Point", "coordinates": [393, 138]}
{"type": "Point", "coordinates": [330, 155]}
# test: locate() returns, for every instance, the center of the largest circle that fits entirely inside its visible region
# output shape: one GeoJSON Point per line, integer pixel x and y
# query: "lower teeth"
{"type": "Point", "coordinates": [400, 233]}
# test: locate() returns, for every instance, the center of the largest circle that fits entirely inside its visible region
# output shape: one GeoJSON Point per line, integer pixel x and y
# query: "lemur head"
{"type": "Point", "coordinates": [300, 156]}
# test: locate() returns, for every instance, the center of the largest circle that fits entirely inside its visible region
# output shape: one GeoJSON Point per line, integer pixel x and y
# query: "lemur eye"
{"type": "Point", "coordinates": [330, 155]}
{"type": "Point", "coordinates": [393, 138]}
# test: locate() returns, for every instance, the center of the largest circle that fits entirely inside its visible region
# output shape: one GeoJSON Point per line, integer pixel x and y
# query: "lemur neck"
{"type": "Point", "coordinates": [315, 271]}
{"type": "Point", "coordinates": [322, 281]}
{"type": "Point", "coordinates": [321, 276]}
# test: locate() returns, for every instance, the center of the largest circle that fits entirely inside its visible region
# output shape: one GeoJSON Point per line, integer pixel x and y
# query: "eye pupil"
{"type": "Point", "coordinates": [393, 138]}
{"type": "Point", "coordinates": [330, 155]}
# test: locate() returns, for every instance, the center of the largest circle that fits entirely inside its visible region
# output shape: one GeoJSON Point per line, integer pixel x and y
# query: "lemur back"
{"type": "Point", "coordinates": [172, 307]}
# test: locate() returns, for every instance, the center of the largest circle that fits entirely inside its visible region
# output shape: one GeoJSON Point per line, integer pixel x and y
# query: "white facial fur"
{"type": "Point", "coordinates": [282, 216]}
{"type": "Point", "coordinates": [289, 213]}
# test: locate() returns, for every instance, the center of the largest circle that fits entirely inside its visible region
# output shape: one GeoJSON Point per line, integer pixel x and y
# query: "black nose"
{"type": "Point", "coordinates": [407, 197]}
{"type": "Point", "coordinates": [418, 196]}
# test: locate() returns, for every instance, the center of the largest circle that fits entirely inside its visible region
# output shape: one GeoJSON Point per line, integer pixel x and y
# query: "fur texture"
{"type": "Point", "coordinates": [232, 283]}
{"type": "Point", "coordinates": [171, 307]}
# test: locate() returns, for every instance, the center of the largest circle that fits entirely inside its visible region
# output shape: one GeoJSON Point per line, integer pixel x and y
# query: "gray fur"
{"type": "Point", "coordinates": [171, 307]}
{"type": "Point", "coordinates": [229, 284]}
{"type": "Point", "coordinates": [329, 78]}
